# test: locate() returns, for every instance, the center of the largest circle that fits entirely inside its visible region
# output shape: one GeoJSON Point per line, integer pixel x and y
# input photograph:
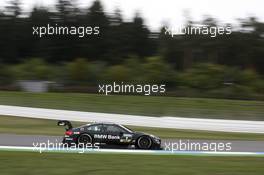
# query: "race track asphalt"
{"type": "Point", "coordinates": [176, 144]}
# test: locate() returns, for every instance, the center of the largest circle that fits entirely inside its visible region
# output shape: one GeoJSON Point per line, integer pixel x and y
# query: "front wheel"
{"type": "Point", "coordinates": [144, 142]}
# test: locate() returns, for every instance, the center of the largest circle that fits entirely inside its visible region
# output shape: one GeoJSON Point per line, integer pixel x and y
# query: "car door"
{"type": "Point", "coordinates": [114, 133]}
{"type": "Point", "coordinates": [95, 130]}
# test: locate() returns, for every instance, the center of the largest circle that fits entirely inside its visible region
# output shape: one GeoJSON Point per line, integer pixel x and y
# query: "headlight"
{"type": "Point", "coordinates": [156, 139]}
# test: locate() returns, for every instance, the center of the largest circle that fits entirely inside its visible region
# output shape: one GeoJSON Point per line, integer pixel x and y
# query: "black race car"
{"type": "Point", "coordinates": [108, 135]}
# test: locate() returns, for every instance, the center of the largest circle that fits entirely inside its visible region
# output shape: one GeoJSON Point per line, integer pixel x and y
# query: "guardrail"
{"type": "Point", "coordinates": [159, 122]}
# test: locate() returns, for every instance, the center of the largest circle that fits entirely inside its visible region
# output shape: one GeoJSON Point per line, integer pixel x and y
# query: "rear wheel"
{"type": "Point", "coordinates": [144, 142]}
{"type": "Point", "coordinates": [85, 139]}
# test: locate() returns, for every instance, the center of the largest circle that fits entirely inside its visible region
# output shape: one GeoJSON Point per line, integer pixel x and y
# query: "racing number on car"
{"type": "Point", "coordinates": [126, 138]}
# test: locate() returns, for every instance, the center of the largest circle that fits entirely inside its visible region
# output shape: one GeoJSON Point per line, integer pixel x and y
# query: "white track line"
{"type": "Point", "coordinates": [160, 122]}
{"type": "Point", "coordinates": [125, 151]}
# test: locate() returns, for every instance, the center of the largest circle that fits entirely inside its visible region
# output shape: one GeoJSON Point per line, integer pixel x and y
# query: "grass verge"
{"type": "Point", "coordinates": [21, 125]}
{"type": "Point", "coordinates": [139, 105]}
{"type": "Point", "coordinates": [14, 163]}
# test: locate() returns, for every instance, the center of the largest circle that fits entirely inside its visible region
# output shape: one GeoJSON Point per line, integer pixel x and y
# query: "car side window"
{"type": "Point", "coordinates": [96, 128]}
{"type": "Point", "coordinates": [113, 128]}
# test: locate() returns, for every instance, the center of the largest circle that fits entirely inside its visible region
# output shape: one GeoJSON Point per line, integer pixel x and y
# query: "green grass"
{"type": "Point", "coordinates": [19, 125]}
{"type": "Point", "coordinates": [139, 105]}
{"type": "Point", "coordinates": [16, 163]}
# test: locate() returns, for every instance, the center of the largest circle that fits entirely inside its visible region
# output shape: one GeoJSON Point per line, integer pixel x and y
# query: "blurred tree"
{"type": "Point", "coordinates": [13, 8]}
{"type": "Point", "coordinates": [65, 47]}
{"type": "Point", "coordinates": [117, 73]}
{"type": "Point", "coordinates": [156, 71]}
{"type": "Point", "coordinates": [65, 10]}
{"type": "Point", "coordinates": [96, 47]}
{"type": "Point", "coordinates": [140, 42]}
{"type": "Point", "coordinates": [11, 32]}
{"type": "Point", "coordinates": [78, 71]}
{"type": "Point", "coordinates": [204, 76]}
{"type": "Point", "coordinates": [119, 39]}
{"type": "Point", "coordinates": [96, 72]}
{"type": "Point", "coordinates": [32, 69]}
{"type": "Point", "coordinates": [40, 47]}
{"type": "Point", "coordinates": [5, 75]}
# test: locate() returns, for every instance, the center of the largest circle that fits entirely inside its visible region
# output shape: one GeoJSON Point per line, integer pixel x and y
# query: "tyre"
{"type": "Point", "coordinates": [144, 142]}
{"type": "Point", "coordinates": [85, 139]}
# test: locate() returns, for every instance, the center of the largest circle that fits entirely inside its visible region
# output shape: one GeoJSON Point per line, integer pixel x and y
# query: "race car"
{"type": "Point", "coordinates": [108, 135]}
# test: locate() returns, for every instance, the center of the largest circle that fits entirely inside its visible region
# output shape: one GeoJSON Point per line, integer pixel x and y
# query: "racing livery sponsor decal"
{"type": "Point", "coordinates": [106, 136]}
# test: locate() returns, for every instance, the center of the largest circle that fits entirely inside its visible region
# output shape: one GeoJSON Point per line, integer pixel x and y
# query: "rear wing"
{"type": "Point", "coordinates": [66, 123]}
